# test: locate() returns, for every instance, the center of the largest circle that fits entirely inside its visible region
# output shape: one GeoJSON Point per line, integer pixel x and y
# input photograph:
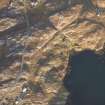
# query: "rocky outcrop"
{"type": "Point", "coordinates": [3, 49]}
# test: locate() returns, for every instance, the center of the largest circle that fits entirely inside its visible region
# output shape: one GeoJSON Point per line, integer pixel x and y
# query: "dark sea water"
{"type": "Point", "coordinates": [86, 81]}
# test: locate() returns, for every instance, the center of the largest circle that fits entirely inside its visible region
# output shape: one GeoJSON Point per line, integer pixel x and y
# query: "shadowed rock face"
{"type": "Point", "coordinates": [86, 81]}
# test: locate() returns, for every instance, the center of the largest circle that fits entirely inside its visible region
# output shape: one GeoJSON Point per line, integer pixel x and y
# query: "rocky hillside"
{"type": "Point", "coordinates": [35, 44]}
